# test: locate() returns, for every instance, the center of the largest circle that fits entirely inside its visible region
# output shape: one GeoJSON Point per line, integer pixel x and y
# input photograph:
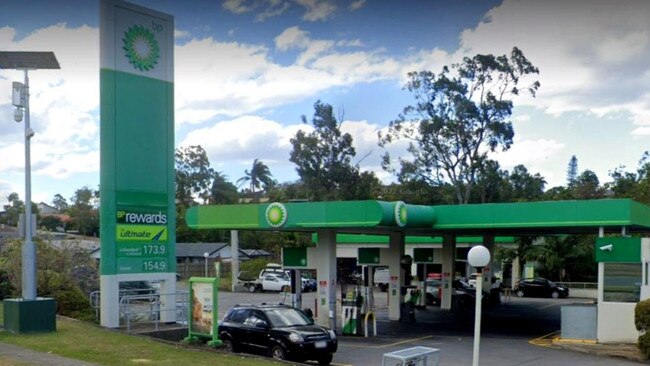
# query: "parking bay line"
{"type": "Point", "coordinates": [545, 340]}
{"type": "Point", "coordinates": [389, 344]}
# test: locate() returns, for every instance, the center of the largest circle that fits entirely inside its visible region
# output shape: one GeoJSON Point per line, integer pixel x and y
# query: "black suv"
{"type": "Point", "coordinates": [280, 331]}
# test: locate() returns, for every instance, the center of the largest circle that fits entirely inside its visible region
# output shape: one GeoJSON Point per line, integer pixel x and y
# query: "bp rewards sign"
{"type": "Point", "coordinates": [141, 236]}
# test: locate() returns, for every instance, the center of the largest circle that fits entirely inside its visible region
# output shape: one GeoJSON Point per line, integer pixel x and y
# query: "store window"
{"type": "Point", "coordinates": [622, 282]}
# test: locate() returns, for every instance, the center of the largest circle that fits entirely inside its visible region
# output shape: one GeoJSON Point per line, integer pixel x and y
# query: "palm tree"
{"type": "Point", "coordinates": [259, 178]}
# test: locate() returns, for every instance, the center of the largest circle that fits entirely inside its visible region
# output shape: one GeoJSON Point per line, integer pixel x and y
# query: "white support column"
{"type": "Point", "coordinates": [326, 275]}
{"type": "Point", "coordinates": [395, 298]}
{"type": "Point", "coordinates": [109, 301]}
{"type": "Point", "coordinates": [601, 271]}
{"type": "Point", "coordinates": [168, 298]}
{"type": "Point", "coordinates": [448, 264]}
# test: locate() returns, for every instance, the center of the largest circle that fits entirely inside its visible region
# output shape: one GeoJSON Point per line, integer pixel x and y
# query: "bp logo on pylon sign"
{"type": "Point", "coordinates": [141, 48]}
{"type": "Point", "coordinates": [400, 214]}
{"type": "Point", "coordinates": [276, 214]}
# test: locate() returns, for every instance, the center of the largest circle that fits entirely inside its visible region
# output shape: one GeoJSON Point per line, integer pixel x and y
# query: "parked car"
{"type": "Point", "coordinates": [279, 331]}
{"type": "Point", "coordinates": [463, 295]}
{"type": "Point", "coordinates": [275, 282]}
{"type": "Point", "coordinates": [308, 282]}
{"type": "Point", "coordinates": [540, 287]}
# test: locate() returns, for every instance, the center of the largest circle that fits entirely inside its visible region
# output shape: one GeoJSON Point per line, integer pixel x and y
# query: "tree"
{"type": "Point", "coordinates": [193, 175]}
{"type": "Point", "coordinates": [60, 203]}
{"type": "Point", "coordinates": [459, 117]}
{"type": "Point", "coordinates": [526, 187]}
{"type": "Point", "coordinates": [572, 171]}
{"type": "Point", "coordinates": [565, 258]}
{"type": "Point", "coordinates": [634, 185]}
{"type": "Point", "coordinates": [222, 191]}
{"type": "Point", "coordinates": [492, 184]}
{"type": "Point", "coordinates": [587, 186]}
{"type": "Point", "coordinates": [13, 209]}
{"type": "Point", "coordinates": [259, 178]}
{"type": "Point", "coordinates": [84, 215]}
{"type": "Point", "coordinates": [323, 157]}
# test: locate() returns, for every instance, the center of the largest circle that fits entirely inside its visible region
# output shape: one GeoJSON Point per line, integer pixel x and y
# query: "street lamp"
{"type": "Point", "coordinates": [20, 99]}
{"type": "Point", "coordinates": [479, 257]}
{"type": "Point", "coordinates": [206, 255]}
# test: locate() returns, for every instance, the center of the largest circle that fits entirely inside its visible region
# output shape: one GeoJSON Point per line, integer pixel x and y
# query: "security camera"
{"type": "Point", "coordinates": [18, 115]}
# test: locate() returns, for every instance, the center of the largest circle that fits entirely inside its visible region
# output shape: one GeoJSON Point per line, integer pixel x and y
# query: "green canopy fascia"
{"type": "Point", "coordinates": [553, 216]}
{"type": "Point", "coordinates": [373, 217]}
{"type": "Point", "coordinates": [311, 215]}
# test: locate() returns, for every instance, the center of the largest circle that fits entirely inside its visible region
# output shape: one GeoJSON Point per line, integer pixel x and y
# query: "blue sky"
{"type": "Point", "coordinates": [246, 70]}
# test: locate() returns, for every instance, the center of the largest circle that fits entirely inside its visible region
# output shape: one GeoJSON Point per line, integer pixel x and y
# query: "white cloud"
{"type": "Point", "coordinates": [316, 10]}
{"type": "Point", "coordinates": [292, 37]}
{"type": "Point", "coordinates": [64, 103]}
{"type": "Point", "coordinates": [528, 153]}
{"type": "Point", "coordinates": [591, 53]}
{"type": "Point", "coordinates": [225, 142]}
{"type": "Point", "coordinates": [248, 79]}
{"type": "Point", "coordinates": [277, 8]}
{"type": "Point", "coordinates": [180, 34]}
{"type": "Point", "coordinates": [6, 188]}
{"type": "Point", "coordinates": [358, 4]}
{"type": "Point", "coordinates": [236, 6]}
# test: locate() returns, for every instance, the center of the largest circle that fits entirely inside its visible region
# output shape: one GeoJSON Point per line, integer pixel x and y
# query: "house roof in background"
{"type": "Point", "coordinates": [196, 250]}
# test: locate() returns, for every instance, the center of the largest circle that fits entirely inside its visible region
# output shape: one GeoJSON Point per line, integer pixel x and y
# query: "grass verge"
{"type": "Point", "coordinates": [91, 343]}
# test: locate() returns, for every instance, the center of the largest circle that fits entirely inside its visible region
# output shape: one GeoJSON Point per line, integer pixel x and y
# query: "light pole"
{"type": "Point", "coordinates": [26, 61]}
{"type": "Point", "coordinates": [206, 255]}
{"type": "Point", "coordinates": [479, 257]}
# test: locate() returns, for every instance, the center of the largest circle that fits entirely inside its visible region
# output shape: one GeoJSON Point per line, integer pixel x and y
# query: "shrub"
{"type": "Point", "coordinates": [253, 267]}
{"type": "Point", "coordinates": [73, 303]}
{"type": "Point", "coordinates": [642, 315]}
{"type": "Point", "coordinates": [642, 323]}
{"type": "Point", "coordinates": [6, 288]}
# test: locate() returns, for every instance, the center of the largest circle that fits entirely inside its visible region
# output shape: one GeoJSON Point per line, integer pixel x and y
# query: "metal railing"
{"type": "Point", "coordinates": [144, 307]}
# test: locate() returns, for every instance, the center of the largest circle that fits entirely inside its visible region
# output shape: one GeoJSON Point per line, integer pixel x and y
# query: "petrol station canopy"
{"type": "Point", "coordinates": [380, 217]}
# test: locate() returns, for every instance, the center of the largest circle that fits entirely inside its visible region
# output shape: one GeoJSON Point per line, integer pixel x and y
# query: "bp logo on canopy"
{"type": "Point", "coordinates": [276, 214]}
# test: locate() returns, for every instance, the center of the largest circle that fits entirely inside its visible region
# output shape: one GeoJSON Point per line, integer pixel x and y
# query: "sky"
{"type": "Point", "coordinates": [247, 70]}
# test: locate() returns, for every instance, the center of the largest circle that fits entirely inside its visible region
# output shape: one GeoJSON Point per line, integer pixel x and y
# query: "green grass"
{"type": "Point", "coordinates": [91, 343]}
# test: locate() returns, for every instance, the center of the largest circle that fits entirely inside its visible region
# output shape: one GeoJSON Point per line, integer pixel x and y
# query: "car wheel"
{"type": "Point", "coordinates": [326, 360]}
{"type": "Point", "coordinates": [519, 293]}
{"type": "Point", "coordinates": [277, 352]}
{"type": "Point", "coordinates": [252, 288]}
{"type": "Point", "coordinates": [228, 346]}
{"type": "Point", "coordinates": [555, 294]}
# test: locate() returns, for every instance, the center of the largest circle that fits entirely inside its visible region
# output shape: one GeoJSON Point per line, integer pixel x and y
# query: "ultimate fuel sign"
{"type": "Point", "coordinates": [137, 140]}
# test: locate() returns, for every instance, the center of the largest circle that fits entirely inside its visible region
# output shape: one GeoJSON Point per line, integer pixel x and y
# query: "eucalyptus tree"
{"type": "Point", "coordinates": [459, 116]}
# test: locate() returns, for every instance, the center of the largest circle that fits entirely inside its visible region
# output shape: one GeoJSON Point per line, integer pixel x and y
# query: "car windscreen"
{"type": "Point", "coordinates": [287, 317]}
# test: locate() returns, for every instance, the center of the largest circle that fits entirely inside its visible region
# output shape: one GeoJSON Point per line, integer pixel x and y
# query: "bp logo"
{"type": "Point", "coordinates": [141, 48]}
{"type": "Point", "coordinates": [276, 214]}
{"type": "Point", "coordinates": [400, 214]}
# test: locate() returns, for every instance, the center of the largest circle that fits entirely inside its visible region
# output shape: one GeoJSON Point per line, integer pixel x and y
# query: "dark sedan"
{"type": "Point", "coordinates": [279, 331]}
{"type": "Point", "coordinates": [540, 287]}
